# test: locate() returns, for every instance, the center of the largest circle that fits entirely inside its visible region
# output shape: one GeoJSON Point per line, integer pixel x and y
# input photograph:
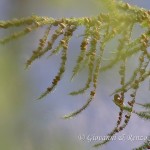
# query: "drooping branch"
{"type": "Point", "coordinates": [99, 30]}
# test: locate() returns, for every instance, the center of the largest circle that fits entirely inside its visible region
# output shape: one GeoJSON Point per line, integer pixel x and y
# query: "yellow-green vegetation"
{"type": "Point", "coordinates": [118, 23]}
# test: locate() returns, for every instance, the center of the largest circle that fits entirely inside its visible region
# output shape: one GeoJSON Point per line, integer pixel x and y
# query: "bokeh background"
{"type": "Point", "coordinates": [26, 124]}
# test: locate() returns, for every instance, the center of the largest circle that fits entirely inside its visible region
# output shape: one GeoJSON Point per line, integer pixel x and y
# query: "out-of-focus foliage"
{"type": "Point", "coordinates": [117, 23]}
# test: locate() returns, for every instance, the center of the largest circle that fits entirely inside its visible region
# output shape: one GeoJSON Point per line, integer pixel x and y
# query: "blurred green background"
{"type": "Point", "coordinates": [26, 124]}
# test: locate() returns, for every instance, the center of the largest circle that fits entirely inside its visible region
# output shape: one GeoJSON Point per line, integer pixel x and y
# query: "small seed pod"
{"type": "Point", "coordinates": [136, 82]}
{"type": "Point", "coordinates": [141, 78]}
{"type": "Point", "coordinates": [141, 41]}
{"type": "Point", "coordinates": [92, 59]}
{"type": "Point", "coordinates": [135, 86]}
{"type": "Point", "coordinates": [63, 57]}
{"type": "Point", "coordinates": [116, 130]}
{"type": "Point", "coordinates": [120, 113]}
{"type": "Point", "coordinates": [56, 23]}
{"type": "Point", "coordinates": [68, 33]}
{"type": "Point", "coordinates": [118, 101]}
{"type": "Point", "coordinates": [80, 58]}
{"type": "Point", "coordinates": [28, 62]}
{"type": "Point", "coordinates": [144, 44]}
{"type": "Point", "coordinates": [127, 116]}
{"type": "Point", "coordinates": [116, 97]}
{"type": "Point", "coordinates": [148, 147]}
{"type": "Point", "coordinates": [99, 23]}
{"type": "Point", "coordinates": [95, 77]}
{"type": "Point", "coordinates": [118, 122]}
{"type": "Point", "coordinates": [65, 46]}
{"type": "Point", "coordinates": [143, 36]}
{"type": "Point", "coordinates": [141, 58]}
{"type": "Point", "coordinates": [146, 52]}
{"type": "Point", "coordinates": [63, 20]}
{"type": "Point", "coordinates": [37, 23]}
{"type": "Point", "coordinates": [62, 41]}
{"type": "Point", "coordinates": [121, 128]}
{"type": "Point", "coordinates": [132, 95]}
{"type": "Point", "coordinates": [92, 93]}
{"type": "Point", "coordinates": [41, 40]}
{"type": "Point", "coordinates": [57, 78]}
{"type": "Point", "coordinates": [62, 70]}
{"type": "Point", "coordinates": [34, 52]}
{"type": "Point", "coordinates": [143, 17]}
{"type": "Point", "coordinates": [142, 71]}
{"type": "Point", "coordinates": [49, 44]}
{"type": "Point", "coordinates": [130, 103]}
{"type": "Point", "coordinates": [84, 44]}
{"type": "Point", "coordinates": [54, 82]}
{"type": "Point", "coordinates": [146, 14]}
{"type": "Point", "coordinates": [126, 121]}
{"type": "Point", "coordinates": [86, 20]}
{"type": "Point", "coordinates": [54, 36]}
{"type": "Point", "coordinates": [128, 6]}
{"type": "Point", "coordinates": [49, 89]}
{"type": "Point", "coordinates": [90, 21]}
{"type": "Point", "coordinates": [28, 29]}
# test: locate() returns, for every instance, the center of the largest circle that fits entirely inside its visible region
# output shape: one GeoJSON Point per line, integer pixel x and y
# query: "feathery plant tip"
{"type": "Point", "coordinates": [98, 32]}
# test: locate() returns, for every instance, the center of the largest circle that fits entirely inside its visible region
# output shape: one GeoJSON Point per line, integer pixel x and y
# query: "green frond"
{"type": "Point", "coordinates": [18, 34]}
{"type": "Point", "coordinates": [91, 55]}
{"type": "Point", "coordinates": [73, 114]}
{"type": "Point", "coordinates": [144, 115]}
{"type": "Point", "coordinates": [55, 51]}
{"type": "Point", "coordinates": [64, 45]}
{"type": "Point", "coordinates": [87, 85]}
{"type": "Point", "coordinates": [146, 105]}
{"type": "Point", "coordinates": [58, 76]}
{"type": "Point", "coordinates": [37, 52]}
{"type": "Point", "coordinates": [98, 31]}
{"type": "Point", "coordinates": [23, 21]}
{"type": "Point", "coordinates": [108, 139]}
{"type": "Point", "coordinates": [113, 132]}
{"type": "Point", "coordinates": [145, 145]}
{"type": "Point", "coordinates": [59, 31]}
{"type": "Point", "coordinates": [82, 55]}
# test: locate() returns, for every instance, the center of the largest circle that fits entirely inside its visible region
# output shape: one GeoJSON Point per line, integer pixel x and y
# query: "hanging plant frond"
{"type": "Point", "coordinates": [99, 30]}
